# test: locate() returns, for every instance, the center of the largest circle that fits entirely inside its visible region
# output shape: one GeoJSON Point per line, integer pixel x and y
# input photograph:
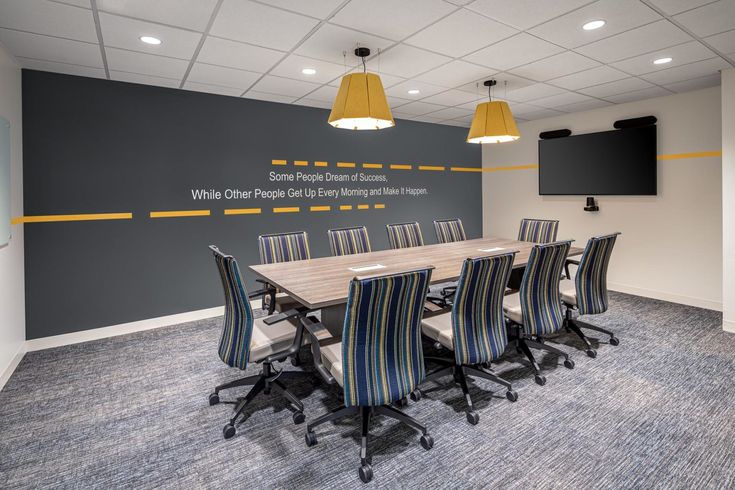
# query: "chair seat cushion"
{"type": "Point", "coordinates": [332, 360]}
{"type": "Point", "coordinates": [439, 328]}
{"type": "Point", "coordinates": [568, 292]}
{"type": "Point", "coordinates": [271, 339]}
{"type": "Point", "coordinates": [512, 307]}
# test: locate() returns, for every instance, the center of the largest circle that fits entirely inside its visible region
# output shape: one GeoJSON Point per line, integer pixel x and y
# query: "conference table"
{"type": "Point", "coordinates": [323, 283]}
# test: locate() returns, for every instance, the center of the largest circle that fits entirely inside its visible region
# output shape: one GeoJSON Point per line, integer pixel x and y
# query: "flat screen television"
{"type": "Point", "coordinates": [619, 162]}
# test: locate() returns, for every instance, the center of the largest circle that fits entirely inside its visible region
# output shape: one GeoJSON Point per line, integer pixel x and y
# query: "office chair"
{"type": "Point", "coordinates": [281, 247]}
{"type": "Point", "coordinates": [538, 230]}
{"type": "Point", "coordinates": [404, 235]}
{"type": "Point", "coordinates": [246, 340]}
{"type": "Point", "coordinates": [348, 241]}
{"type": "Point", "coordinates": [449, 230]}
{"type": "Point", "coordinates": [379, 360]}
{"type": "Point", "coordinates": [475, 328]}
{"type": "Point", "coordinates": [587, 292]}
{"type": "Point", "coordinates": [536, 310]}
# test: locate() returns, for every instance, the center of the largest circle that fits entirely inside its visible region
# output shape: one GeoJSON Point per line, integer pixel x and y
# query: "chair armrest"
{"type": "Point", "coordinates": [567, 264]}
{"type": "Point", "coordinates": [285, 315]}
{"type": "Point", "coordinates": [317, 331]}
{"type": "Point", "coordinates": [258, 293]}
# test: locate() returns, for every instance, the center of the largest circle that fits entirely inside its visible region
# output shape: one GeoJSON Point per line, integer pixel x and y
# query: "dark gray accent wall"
{"type": "Point", "coordinates": [98, 146]}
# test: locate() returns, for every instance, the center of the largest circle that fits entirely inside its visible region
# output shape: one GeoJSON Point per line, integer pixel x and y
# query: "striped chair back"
{"type": "Point", "coordinates": [404, 235]}
{"type": "Point", "coordinates": [538, 230]}
{"type": "Point", "coordinates": [449, 230]}
{"type": "Point", "coordinates": [539, 293]}
{"type": "Point", "coordinates": [591, 278]}
{"type": "Point", "coordinates": [382, 355]}
{"type": "Point", "coordinates": [478, 323]}
{"type": "Point", "coordinates": [283, 247]}
{"type": "Point", "coordinates": [234, 345]}
{"type": "Point", "coordinates": [348, 241]}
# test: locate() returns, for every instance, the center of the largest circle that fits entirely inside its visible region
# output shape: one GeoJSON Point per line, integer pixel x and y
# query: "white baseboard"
{"type": "Point", "coordinates": [10, 369]}
{"type": "Point", "coordinates": [728, 326]}
{"type": "Point", "coordinates": [122, 329]}
{"type": "Point", "coordinates": [662, 295]}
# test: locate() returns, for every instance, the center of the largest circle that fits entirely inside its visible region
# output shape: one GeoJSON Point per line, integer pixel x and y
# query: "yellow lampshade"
{"type": "Point", "coordinates": [493, 123]}
{"type": "Point", "coordinates": [361, 103]}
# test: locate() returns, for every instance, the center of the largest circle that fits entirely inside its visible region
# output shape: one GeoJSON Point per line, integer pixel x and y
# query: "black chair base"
{"type": "Point", "coordinates": [365, 414]}
{"type": "Point", "coordinates": [267, 380]}
{"type": "Point", "coordinates": [460, 374]}
{"type": "Point", "coordinates": [576, 327]}
{"type": "Point", "coordinates": [525, 342]}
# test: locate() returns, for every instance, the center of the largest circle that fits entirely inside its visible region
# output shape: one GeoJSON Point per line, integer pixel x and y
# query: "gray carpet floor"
{"type": "Point", "coordinates": [657, 411]}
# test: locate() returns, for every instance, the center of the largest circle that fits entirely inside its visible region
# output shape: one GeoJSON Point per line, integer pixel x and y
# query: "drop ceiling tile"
{"type": "Point", "coordinates": [514, 51]}
{"type": "Point", "coordinates": [81, 71]}
{"type": "Point", "coordinates": [456, 73]}
{"type": "Point", "coordinates": [541, 114]}
{"type": "Point", "coordinates": [143, 79]}
{"type": "Point", "coordinates": [407, 61]}
{"type": "Point", "coordinates": [555, 66]}
{"type": "Point", "coordinates": [225, 77]}
{"type": "Point", "coordinates": [476, 31]}
{"type": "Point", "coordinates": [284, 86]}
{"type": "Point", "coordinates": [397, 101]}
{"type": "Point", "coordinates": [506, 83]}
{"type": "Point", "coordinates": [121, 32]}
{"type": "Point", "coordinates": [687, 72]}
{"type": "Point", "coordinates": [425, 89]}
{"type": "Point", "coordinates": [145, 64]}
{"type": "Point", "coordinates": [250, 22]}
{"type": "Point", "coordinates": [419, 108]}
{"type": "Point", "coordinates": [451, 98]}
{"type": "Point", "coordinates": [329, 43]}
{"type": "Point", "coordinates": [724, 41]}
{"type": "Point", "coordinates": [49, 18]}
{"type": "Point", "coordinates": [314, 103]}
{"type": "Point", "coordinates": [709, 19]}
{"type": "Point", "coordinates": [618, 87]}
{"type": "Point", "coordinates": [79, 3]}
{"type": "Point", "coordinates": [532, 92]}
{"type": "Point", "coordinates": [212, 89]}
{"type": "Point", "coordinates": [283, 99]}
{"type": "Point", "coordinates": [695, 84]}
{"type": "Point", "coordinates": [672, 7]}
{"type": "Point", "coordinates": [472, 105]}
{"type": "Point", "coordinates": [619, 15]}
{"type": "Point", "coordinates": [458, 123]}
{"type": "Point", "coordinates": [315, 8]}
{"type": "Point", "coordinates": [586, 105]}
{"type": "Point", "coordinates": [523, 14]}
{"type": "Point", "coordinates": [190, 14]}
{"type": "Point", "coordinates": [291, 68]}
{"type": "Point", "coordinates": [216, 51]}
{"type": "Point", "coordinates": [391, 19]}
{"type": "Point", "coordinates": [646, 93]}
{"type": "Point", "coordinates": [523, 109]}
{"type": "Point", "coordinates": [25, 45]}
{"type": "Point", "coordinates": [428, 119]}
{"type": "Point", "coordinates": [651, 37]}
{"type": "Point", "coordinates": [587, 78]}
{"type": "Point", "coordinates": [559, 100]}
{"type": "Point", "coordinates": [681, 54]}
{"type": "Point", "coordinates": [325, 93]}
{"type": "Point", "coordinates": [450, 113]}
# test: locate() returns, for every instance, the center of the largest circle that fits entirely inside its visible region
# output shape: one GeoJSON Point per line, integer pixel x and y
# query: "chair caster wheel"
{"type": "Point", "coordinates": [403, 402]}
{"type": "Point", "coordinates": [295, 361]}
{"type": "Point", "coordinates": [366, 473]}
{"type": "Point", "coordinates": [416, 395]}
{"type": "Point", "coordinates": [229, 431]}
{"type": "Point", "coordinates": [540, 379]}
{"type": "Point", "coordinates": [592, 353]}
{"type": "Point", "coordinates": [473, 418]}
{"type": "Point", "coordinates": [569, 364]}
{"type": "Point", "coordinates": [310, 438]}
{"type": "Point", "coordinates": [299, 418]}
{"type": "Point", "coordinates": [213, 399]}
{"type": "Point", "coordinates": [427, 442]}
{"type": "Point", "coordinates": [511, 395]}
{"type": "Point", "coordinates": [614, 341]}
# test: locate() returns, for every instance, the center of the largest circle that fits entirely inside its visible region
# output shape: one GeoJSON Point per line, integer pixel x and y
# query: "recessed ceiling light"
{"type": "Point", "coordinates": [662, 61]}
{"type": "Point", "coordinates": [414, 91]}
{"type": "Point", "coordinates": [150, 40]}
{"type": "Point", "coordinates": [592, 25]}
{"type": "Point", "coordinates": [308, 71]}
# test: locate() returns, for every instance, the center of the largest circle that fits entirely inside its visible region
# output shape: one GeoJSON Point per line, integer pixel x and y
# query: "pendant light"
{"type": "Point", "coordinates": [361, 102]}
{"type": "Point", "coordinates": [493, 121]}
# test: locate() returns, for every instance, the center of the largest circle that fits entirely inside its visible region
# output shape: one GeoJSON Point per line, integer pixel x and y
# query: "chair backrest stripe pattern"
{"type": "Point", "coordinates": [478, 323]}
{"type": "Point", "coordinates": [591, 278]}
{"type": "Point", "coordinates": [539, 293]}
{"type": "Point", "coordinates": [538, 230]}
{"type": "Point", "coordinates": [283, 247]}
{"type": "Point", "coordinates": [348, 241]}
{"type": "Point", "coordinates": [449, 230]}
{"type": "Point", "coordinates": [382, 356]}
{"type": "Point", "coordinates": [234, 345]}
{"type": "Point", "coordinates": [405, 235]}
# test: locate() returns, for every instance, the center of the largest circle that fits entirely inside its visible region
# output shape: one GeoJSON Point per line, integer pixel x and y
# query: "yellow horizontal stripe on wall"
{"type": "Point", "coordinates": [320, 164]}
{"type": "Point", "coordinates": [279, 162]}
{"type": "Point", "coordinates": [401, 167]}
{"type": "Point", "coordinates": [243, 211]}
{"type": "Point", "coordinates": [465, 169]}
{"type": "Point", "coordinates": [301, 163]}
{"type": "Point", "coordinates": [363, 206]}
{"type": "Point", "coordinates": [372, 165]}
{"type": "Point", "coordinates": [320, 208]}
{"type": "Point", "coordinates": [432, 167]}
{"type": "Point", "coordinates": [346, 164]}
{"type": "Point", "coordinates": [295, 209]}
{"type": "Point", "coordinates": [52, 218]}
{"type": "Point", "coordinates": [379, 206]}
{"type": "Point", "coordinates": [345, 207]}
{"type": "Point", "coordinates": [180, 214]}
{"type": "Point", "coordinates": [697, 154]}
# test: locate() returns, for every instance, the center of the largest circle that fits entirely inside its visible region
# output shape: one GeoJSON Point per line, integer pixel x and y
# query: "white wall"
{"type": "Point", "coordinates": [12, 296]}
{"type": "Point", "coordinates": [671, 244]}
{"type": "Point", "coordinates": [728, 199]}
